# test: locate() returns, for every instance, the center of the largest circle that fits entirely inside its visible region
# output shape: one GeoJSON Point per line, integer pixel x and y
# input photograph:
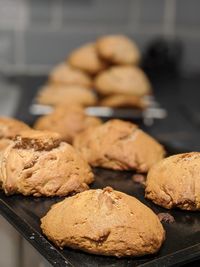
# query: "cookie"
{"type": "Point", "coordinates": [86, 59]}
{"type": "Point", "coordinates": [67, 75]}
{"type": "Point", "coordinates": [122, 80]}
{"type": "Point", "coordinates": [174, 182]}
{"type": "Point", "coordinates": [37, 163]}
{"type": "Point", "coordinates": [119, 145]}
{"type": "Point", "coordinates": [105, 222]}
{"type": "Point", "coordinates": [9, 127]}
{"type": "Point", "coordinates": [123, 101]}
{"type": "Point", "coordinates": [67, 121]}
{"type": "Point", "coordinates": [65, 95]}
{"type": "Point", "coordinates": [118, 49]}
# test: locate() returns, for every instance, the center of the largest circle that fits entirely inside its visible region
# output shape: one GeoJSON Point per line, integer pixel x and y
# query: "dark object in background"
{"type": "Point", "coordinates": [163, 57]}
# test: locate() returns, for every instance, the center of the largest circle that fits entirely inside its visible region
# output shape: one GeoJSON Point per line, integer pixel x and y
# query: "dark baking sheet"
{"type": "Point", "coordinates": [177, 129]}
{"type": "Point", "coordinates": [182, 243]}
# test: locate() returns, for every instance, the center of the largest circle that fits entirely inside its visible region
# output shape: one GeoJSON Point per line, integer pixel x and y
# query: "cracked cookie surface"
{"type": "Point", "coordinates": [38, 163]}
{"type": "Point", "coordinates": [9, 128]}
{"type": "Point", "coordinates": [119, 145]}
{"type": "Point", "coordinates": [174, 182]}
{"type": "Point", "coordinates": [105, 222]}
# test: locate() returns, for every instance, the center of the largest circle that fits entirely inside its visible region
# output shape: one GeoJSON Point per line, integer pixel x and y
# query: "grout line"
{"type": "Point", "coordinates": [134, 15]}
{"type": "Point", "coordinates": [79, 29]}
{"type": "Point", "coordinates": [188, 33]}
{"type": "Point", "coordinates": [27, 69]}
{"type": "Point", "coordinates": [19, 48]}
{"type": "Point", "coordinates": [35, 70]}
{"type": "Point", "coordinates": [147, 30]}
{"type": "Point", "coordinates": [57, 15]}
{"type": "Point", "coordinates": [169, 17]}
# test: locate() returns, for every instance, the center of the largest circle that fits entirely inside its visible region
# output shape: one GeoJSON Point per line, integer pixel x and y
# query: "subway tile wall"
{"type": "Point", "coordinates": [36, 34]}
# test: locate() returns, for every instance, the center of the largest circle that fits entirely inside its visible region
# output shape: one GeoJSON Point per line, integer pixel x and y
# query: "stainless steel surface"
{"type": "Point", "coordinates": [148, 115]}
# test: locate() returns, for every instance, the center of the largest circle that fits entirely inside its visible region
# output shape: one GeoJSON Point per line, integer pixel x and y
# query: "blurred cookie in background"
{"type": "Point", "coordinates": [118, 49]}
{"type": "Point", "coordinates": [68, 121]}
{"type": "Point", "coordinates": [68, 95]}
{"type": "Point", "coordinates": [9, 128]}
{"type": "Point", "coordinates": [86, 59]}
{"type": "Point", "coordinates": [67, 75]}
{"type": "Point", "coordinates": [123, 101]}
{"type": "Point", "coordinates": [122, 80]}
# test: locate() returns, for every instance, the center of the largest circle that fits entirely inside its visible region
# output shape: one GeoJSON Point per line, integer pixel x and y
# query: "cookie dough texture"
{"type": "Point", "coordinates": [105, 222]}
{"type": "Point", "coordinates": [9, 128]}
{"type": "Point", "coordinates": [119, 145]}
{"type": "Point", "coordinates": [67, 121]}
{"type": "Point", "coordinates": [39, 164]}
{"type": "Point", "coordinates": [122, 80]}
{"type": "Point", "coordinates": [175, 182]}
{"type": "Point", "coordinates": [124, 101]}
{"type": "Point", "coordinates": [118, 49]}
{"type": "Point", "coordinates": [67, 75]}
{"type": "Point", "coordinates": [66, 95]}
{"type": "Point", "coordinates": [86, 59]}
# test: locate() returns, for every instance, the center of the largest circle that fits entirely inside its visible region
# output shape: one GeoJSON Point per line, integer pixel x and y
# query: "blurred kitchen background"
{"type": "Point", "coordinates": [37, 34]}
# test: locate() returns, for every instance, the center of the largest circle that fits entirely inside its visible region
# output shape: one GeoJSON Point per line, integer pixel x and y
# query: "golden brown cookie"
{"type": "Point", "coordinates": [105, 222]}
{"type": "Point", "coordinates": [67, 75]}
{"type": "Point", "coordinates": [9, 127]}
{"type": "Point", "coordinates": [67, 121]}
{"type": "Point", "coordinates": [37, 163]}
{"type": "Point", "coordinates": [174, 182]}
{"type": "Point", "coordinates": [118, 49]}
{"type": "Point", "coordinates": [66, 95]}
{"type": "Point", "coordinates": [86, 59]}
{"type": "Point", "coordinates": [119, 145]}
{"type": "Point", "coordinates": [122, 80]}
{"type": "Point", "coordinates": [4, 142]}
{"type": "Point", "coordinates": [124, 101]}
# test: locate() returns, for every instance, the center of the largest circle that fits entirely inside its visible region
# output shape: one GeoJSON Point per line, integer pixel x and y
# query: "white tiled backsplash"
{"type": "Point", "coordinates": [35, 34]}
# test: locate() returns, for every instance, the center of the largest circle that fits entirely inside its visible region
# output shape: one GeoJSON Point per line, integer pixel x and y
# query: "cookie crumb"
{"type": "Point", "coordinates": [166, 217]}
{"type": "Point", "coordinates": [138, 178]}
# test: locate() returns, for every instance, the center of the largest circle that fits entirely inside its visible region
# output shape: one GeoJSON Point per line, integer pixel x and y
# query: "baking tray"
{"type": "Point", "coordinates": [152, 112]}
{"type": "Point", "coordinates": [182, 243]}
